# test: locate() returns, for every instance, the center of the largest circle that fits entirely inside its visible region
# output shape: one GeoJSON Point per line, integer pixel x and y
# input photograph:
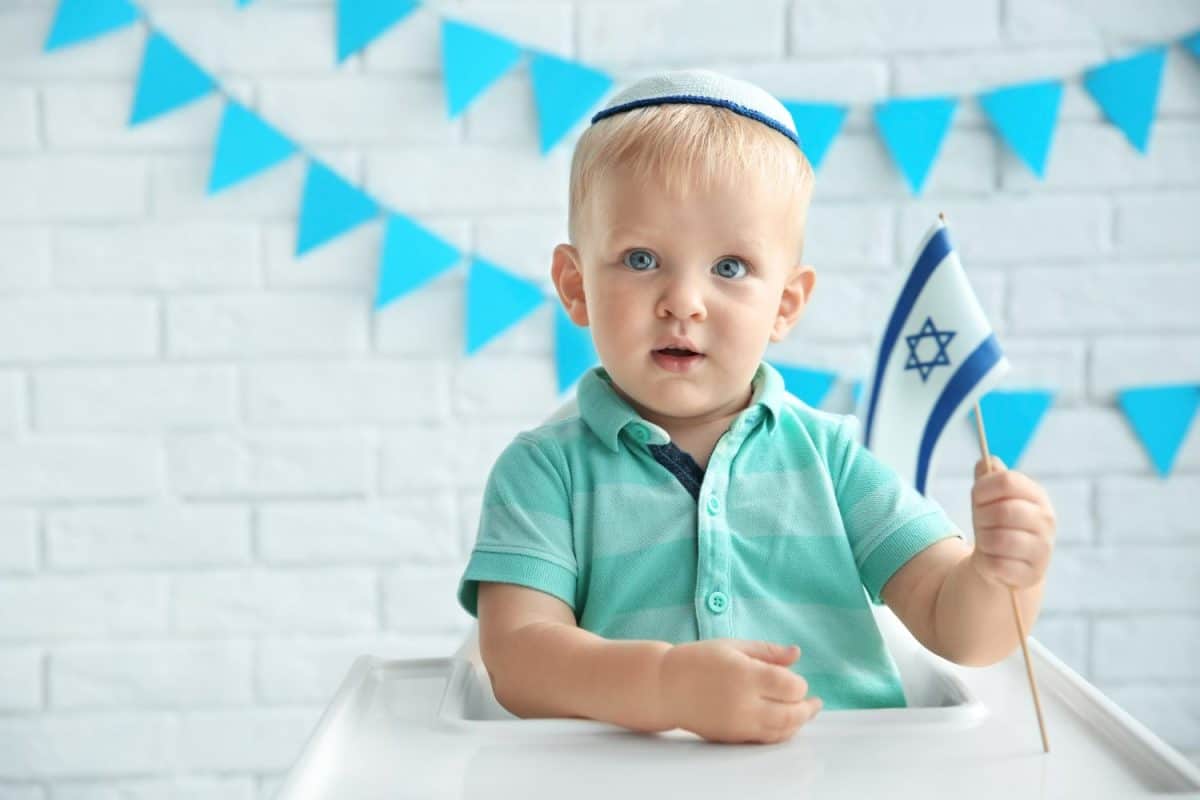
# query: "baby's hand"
{"type": "Point", "coordinates": [732, 690]}
{"type": "Point", "coordinates": [1014, 526]}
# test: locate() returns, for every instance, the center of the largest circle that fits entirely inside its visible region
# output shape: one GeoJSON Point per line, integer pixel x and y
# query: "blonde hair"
{"type": "Point", "coordinates": [683, 146]}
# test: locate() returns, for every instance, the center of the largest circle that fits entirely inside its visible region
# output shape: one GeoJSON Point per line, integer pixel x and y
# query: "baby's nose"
{"type": "Point", "coordinates": [682, 298]}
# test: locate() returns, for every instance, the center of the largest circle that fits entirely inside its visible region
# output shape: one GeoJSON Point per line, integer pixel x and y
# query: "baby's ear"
{"type": "Point", "coordinates": [566, 270]}
{"type": "Point", "coordinates": [797, 291]}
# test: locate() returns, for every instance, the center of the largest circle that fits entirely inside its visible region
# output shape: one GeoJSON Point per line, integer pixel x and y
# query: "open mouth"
{"type": "Point", "coordinates": [675, 359]}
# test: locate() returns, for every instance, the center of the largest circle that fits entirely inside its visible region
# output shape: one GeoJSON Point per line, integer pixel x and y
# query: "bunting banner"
{"type": "Point", "coordinates": [472, 60]}
{"type": "Point", "coordinates": [1192, 44]}
{"type": "Point", "coordinates": [80, 20]}
{"type": "Point", "coordinates": [167, 80]}
{"type": "Point", "coordinates": [913, 131]}
{"type": "Point", "coordinates": [574, 352]}
{"type": "Point", "coordinates": [246, 145]}
{"type": "Point", "coordinates": [1010, 419]}
{"type": "Point", "coordinates": [817, 125]}
{"type": "Point", "coordinates": [360, 22]}
{"type": "Point", "coordinates": [810, 385]}
{"type": "Point", "coordinates": [1161, 417]}
{"type": "Point", "coordinates": [1127, 91]}
{"type": "Point", "coordinates": [412, 256]}
{"type": "Point", "coordinates": [330, 206]}
{"type": "Point", "coordinates": [564, 91]}
{"type": "Point", "coordinates": [1023, 115]}
{"type": "Point", "coordinates": [496, 300]}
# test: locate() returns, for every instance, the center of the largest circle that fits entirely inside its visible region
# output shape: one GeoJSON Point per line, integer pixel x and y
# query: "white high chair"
{"type": "Point", "coordinates": [432, 728]}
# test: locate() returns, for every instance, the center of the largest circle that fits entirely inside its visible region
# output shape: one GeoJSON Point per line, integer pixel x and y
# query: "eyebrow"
{"type": "Point", "coordinates": [738, 245]}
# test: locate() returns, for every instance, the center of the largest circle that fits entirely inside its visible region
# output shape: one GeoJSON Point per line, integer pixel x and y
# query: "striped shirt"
{"type": "Point", "coordinates": [787, 536]}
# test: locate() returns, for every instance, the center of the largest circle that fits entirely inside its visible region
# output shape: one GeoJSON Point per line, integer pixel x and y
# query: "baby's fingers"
{"type": "Point", "coordinates": [785, 718]}
{"type": "Point", "coordinates": [782, 685]}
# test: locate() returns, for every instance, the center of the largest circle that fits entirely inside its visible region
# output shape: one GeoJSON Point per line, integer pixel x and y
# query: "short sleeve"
{"type": "Point", "coordinates": [886, 519]}
{"type": "Point", "coordinates": [524, 534]}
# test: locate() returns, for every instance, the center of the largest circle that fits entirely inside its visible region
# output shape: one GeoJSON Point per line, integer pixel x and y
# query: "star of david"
{"type": "Point", "coordinates": [939, 338]}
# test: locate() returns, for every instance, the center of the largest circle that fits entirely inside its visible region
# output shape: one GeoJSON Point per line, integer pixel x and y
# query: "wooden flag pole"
{"type": "Point", "coordinates": [1012, 593]}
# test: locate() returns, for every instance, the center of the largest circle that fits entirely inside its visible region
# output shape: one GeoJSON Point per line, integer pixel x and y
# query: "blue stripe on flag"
{"type": "Point", "coordinates": [969, 374]}
{"type": "Point", "coordinates": [933, 254]}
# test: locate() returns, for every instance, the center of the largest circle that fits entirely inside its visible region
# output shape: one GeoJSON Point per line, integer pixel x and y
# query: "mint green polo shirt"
{"type": "Point", "coordinates": [787, 536]}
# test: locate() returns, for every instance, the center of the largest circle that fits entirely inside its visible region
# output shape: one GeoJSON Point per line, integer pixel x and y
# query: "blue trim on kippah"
{"type": "Point", "coordinates": [698, 99]}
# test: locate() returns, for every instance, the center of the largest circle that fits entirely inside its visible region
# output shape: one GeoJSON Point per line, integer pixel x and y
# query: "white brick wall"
{"type": "Point", "coordinates": [223, 476]}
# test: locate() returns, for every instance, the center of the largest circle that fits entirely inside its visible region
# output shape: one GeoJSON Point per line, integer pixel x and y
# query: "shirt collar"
{"type": "Point", "coordinates": [607, 413]}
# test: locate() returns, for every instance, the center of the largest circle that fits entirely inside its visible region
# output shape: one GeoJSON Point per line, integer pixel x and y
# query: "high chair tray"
{"type": "Point", "coordinates": [432, 729]}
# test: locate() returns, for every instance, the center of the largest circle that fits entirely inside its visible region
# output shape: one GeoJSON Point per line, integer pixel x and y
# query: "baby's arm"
{"type": "Point", "coordinates": [957, 599]}
{"type": "Point", "coordinates": [542, 664]}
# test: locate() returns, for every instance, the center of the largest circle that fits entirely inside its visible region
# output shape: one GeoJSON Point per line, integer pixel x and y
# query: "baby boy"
{"type": "Point", "coordinates": [661, 557]}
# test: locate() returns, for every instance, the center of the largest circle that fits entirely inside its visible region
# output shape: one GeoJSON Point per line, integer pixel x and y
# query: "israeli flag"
{"type": "Point", "coordinates": [937, 357]}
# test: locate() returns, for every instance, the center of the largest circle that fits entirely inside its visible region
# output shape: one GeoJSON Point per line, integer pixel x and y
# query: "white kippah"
{"type": "Point", "coordinates": [706, 88]}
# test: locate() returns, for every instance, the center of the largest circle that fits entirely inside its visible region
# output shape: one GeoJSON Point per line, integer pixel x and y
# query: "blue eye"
{"type": "Point", "coordinates": [640, 260]}
{"type": "Point", "coordinates": [728, 267]}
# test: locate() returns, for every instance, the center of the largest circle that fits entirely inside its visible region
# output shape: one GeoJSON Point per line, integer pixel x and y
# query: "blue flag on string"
{"type": "Point", "coordinates": [472, 60]}
{"type": "Point", "coordinates": [574, 352]}
{"type": "Point", "coordinates": [816, 124]}
{"type": "Point", "coordinates": [810, 385]}
{"type": "Point", "coordinates": [80, 20]}
{"type": "Point", "coordinates": [1192, 43]}
{"type": "Point", "coordinates": [1010, 418]}
{"type": "Point", "coordinates": [168, 80]}
{"type": "Point", "coordinates": [496, 300]}
{"type": "Point", "coordinates": [330, 207]}
{"type": "Point", "coordinates": [564, 92]}
{"type": "Point", "coordinates": [360, 22]}
{"type": "Point", "coordinates": [1127, 91]}
{"type": "Point", "coordinates": [412, 256]}
{"type": "Point", "coordinates": [936, 357]}
{"type": "Point", "coordinates": [1025, 116]}
{"type": "Point", "coordinates": [1161, 416]}
{"type": "Point", "coordinates": [913, 131]}
{"type": "Point", "coordinates": [246, 145]}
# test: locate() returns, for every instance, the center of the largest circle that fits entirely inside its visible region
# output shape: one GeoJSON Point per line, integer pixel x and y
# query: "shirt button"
{"type": "Point", "coordinates": [718, 602]}
{"type": "Point", "coordinates": [640, 432]}
{"type": "Point", "coordinates": [713, 505]}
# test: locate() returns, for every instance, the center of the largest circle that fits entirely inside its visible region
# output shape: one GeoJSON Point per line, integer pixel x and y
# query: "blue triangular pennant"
{"type": "Point", "coordinates": [168, 80]}
{"type": "Point", "coordinates": [412, 256]}
{"type": "Point", "coordinates": [810, 385]}
{"type": "Point", "coordinates": [817, 124]}
{"type": "Point", "coordinates": [1025, 116]}
{"type": "Point", "coordinates": [246, 145]}
{"type": "Point", "coordinates": [80, 20]}
{"type": "Point", "coordinates": [1127, 92]}
{"type": "Point", "coordinates": [472, 60]}
{"type": "Point", "coordinates": [496, 300]}
{"type": "Point", "coordinates": [1161, 416]}
{"type": "Point", "coordinates": [564, 92]}
{"type": "Point", "coordinates": [574, 352]}
{"type": "Point", "coordinates": [359, 22]}
{"type": "Point", "coordinates": [244, 3]}
{"type": "Point", "coordinates": [330, 207]}
{"type": "Point", "coordinates": [913, 131]}
{"type": "Point", "coordinates": [1010, 418]}
{"type": "Point", "coordinates": [1192, 43]}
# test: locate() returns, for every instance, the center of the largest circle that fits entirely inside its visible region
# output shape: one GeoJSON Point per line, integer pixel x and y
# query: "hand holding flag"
{"type": "Point", "coordinates": [1014, 526]}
